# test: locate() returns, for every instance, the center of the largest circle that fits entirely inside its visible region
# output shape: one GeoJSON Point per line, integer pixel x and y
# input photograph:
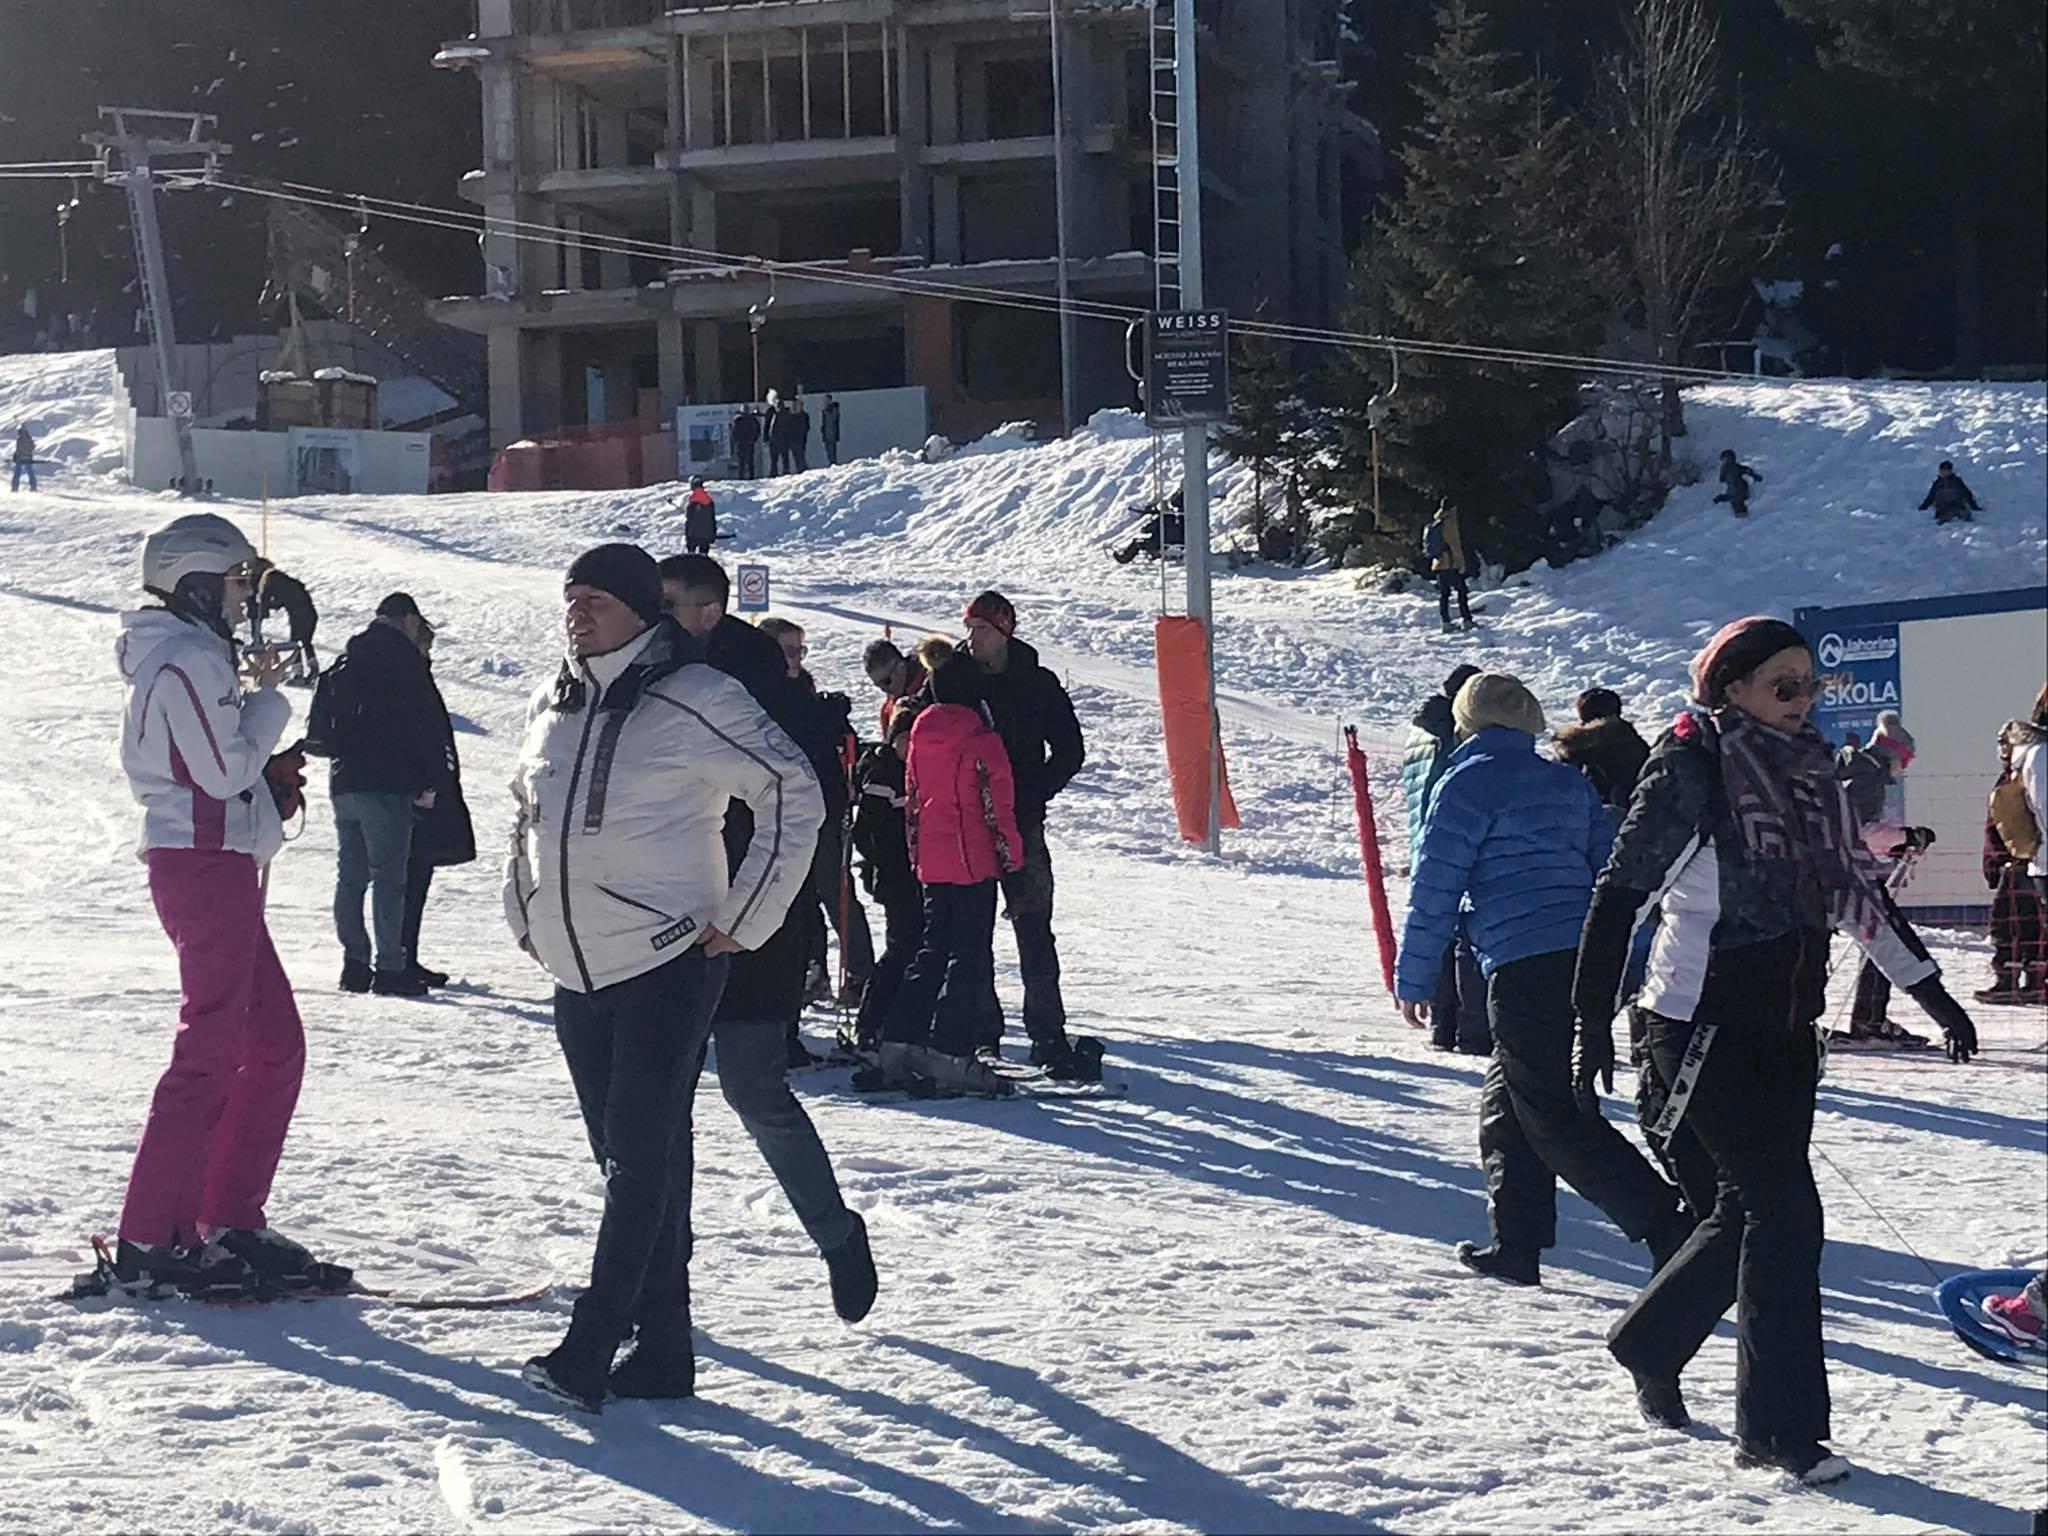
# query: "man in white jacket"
{"type": "Point", "coordinates": [195, 744]}
{"type": "Point", "coordinates": [617, 885]}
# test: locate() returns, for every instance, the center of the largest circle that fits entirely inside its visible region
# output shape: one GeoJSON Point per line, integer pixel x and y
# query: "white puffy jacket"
{"type": "Point", "coordinates": [618, 854]}
{"type": "Point", "coordinates": [2030, 767]}
{"type": "Point", "coordinates": [193, 743]}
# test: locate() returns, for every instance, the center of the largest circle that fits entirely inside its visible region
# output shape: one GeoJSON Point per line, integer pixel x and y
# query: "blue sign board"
{"type": "Point", "coordinates": [1858, 667]}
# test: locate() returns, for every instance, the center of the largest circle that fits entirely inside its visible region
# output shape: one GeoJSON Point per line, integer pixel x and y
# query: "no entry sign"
{"type": "Point", "coordinates": [753, 589]}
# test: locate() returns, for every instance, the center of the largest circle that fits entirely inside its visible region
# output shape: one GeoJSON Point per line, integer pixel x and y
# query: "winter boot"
{"type": "Point", "coordinates": [578, 1370]}
{"type": "Point", "coordinates": [800, 1056]}
{"type": "Point", "coordinates": [398, 984]}
{"type": "Point", "coordinates": [1809, 1461]}
{"type": "Point", "coordinates": [1660, 1402]}
{"type": "Point", "coordinates": [663, 1363]}
{"type": "Point", "coordinates": [355, 976]}
{"type": "Point", "coordinates": [1049, 1049]}
{"type": "Point", "coordinates": [1517, 1266]}
{"type": "Point", "coordinates": [1468, 622]}
{"type": "Point", "coordinates": [2011, 1316]}
{"type": "Point", "coordinates": [432, 978]}
{"type": "Point", "coordinates": [1450, 628]}
{"type": "Point", "coordinates": [852, 1267]}
{"type": "Point", "coordinates": [1081, 1062]}
{"type": "Point", "coordinates": [279, 1262]}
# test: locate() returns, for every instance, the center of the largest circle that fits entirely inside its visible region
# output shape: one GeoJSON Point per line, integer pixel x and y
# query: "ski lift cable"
{"type": "Point", "coordinates": [534, 233]}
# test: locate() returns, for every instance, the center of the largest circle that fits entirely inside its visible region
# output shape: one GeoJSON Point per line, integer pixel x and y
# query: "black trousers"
{"type": "Point", "coordinates": [903, 929]}
{"type": "Point", "coordinates": [1457, 1011]}
{"type": "Point", "coordinates": [1448, 582]}
{"type": "Point", "coordinates": [1027, 898]}
{"type": "Point", "coordinates": [419, 878]}
{"type": "Point", "coordinates": [634, 1050]}
{"type": "Point", "coordinates": [1532, 1130]}
{"type": "Point", "coordinates": [1752, 1110]}
{"type": "Point", "coordinates": [950, 986]}
{"type": "Point", "coordinates": [830, 879]}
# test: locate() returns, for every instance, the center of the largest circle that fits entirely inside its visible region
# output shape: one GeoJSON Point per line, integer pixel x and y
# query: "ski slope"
{"type": "Point", "coordinates": [1227, 1302]}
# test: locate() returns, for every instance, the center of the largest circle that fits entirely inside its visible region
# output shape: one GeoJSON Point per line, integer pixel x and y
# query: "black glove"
{"type": "Point", "coordinates": [1948, 1013]}
{"type": "Point", "coordinates": [1593, 1057]}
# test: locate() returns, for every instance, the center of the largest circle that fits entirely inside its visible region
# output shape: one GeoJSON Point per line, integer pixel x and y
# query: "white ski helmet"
{"type": "Point", "coordinates": [197, 544]}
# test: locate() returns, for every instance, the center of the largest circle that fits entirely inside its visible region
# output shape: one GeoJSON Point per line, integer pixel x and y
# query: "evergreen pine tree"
{"type": "Point", "coordinates": [1268, 417]}
{"type": "Point", "coordinates": [1481, 248]}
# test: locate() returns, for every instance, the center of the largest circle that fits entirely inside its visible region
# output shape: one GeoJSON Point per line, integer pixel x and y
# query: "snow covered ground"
{"type": "Point", "coordinates": [1225, 1303]}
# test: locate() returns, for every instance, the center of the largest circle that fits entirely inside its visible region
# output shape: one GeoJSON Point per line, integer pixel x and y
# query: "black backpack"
{"type": "Point", "coordinates": [334, 712]}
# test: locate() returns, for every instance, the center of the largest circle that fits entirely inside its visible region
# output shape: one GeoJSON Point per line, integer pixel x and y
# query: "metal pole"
{"type": "Point", "coordinates": [1068, 410]}
{"type": "Point", "coordinates": [1195, 440]}
{"type": "Point", "coordinates": [162, 332]}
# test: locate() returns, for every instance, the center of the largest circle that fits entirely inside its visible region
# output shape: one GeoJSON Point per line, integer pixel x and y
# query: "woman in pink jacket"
{"type": "Point", "coordinates": [959, 803]}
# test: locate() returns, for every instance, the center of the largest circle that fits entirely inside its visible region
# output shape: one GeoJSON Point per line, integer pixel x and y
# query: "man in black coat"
{"type": "Point", "coordinates": [442, 834]}
{"type": "Point", "coordinates": [390, 744]}
{"type": "Point", "coordinates": [1950, 498]}
{"type": "Point", "coordinates": [746, 438]}
{"type": "Point", "coordinates": [763, 994]}
{"type": "Point", "coordinates": [275, 591]}
{"type": "Point", "coordinates": [1036, 720]}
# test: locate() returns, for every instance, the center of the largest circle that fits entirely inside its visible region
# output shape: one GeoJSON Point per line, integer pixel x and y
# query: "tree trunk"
{"type": "Point", "coordinates": [1969, 278]}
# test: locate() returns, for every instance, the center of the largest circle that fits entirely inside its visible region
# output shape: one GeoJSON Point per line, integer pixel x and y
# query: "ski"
{"type": "Point", "coordinates": [100, 1282]}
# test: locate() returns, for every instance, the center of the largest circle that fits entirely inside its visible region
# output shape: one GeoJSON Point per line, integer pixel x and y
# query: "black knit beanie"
{"type": "Point", "coordinates": [626, 571]}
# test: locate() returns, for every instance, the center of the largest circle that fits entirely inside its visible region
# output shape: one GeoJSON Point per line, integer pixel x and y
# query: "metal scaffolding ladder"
{"type": "Point", "coordinates": [1166, 160]}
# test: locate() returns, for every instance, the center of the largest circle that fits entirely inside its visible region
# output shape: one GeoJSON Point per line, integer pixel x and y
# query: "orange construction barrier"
{"type": "Point", "coordinates": [1192, 732]}
{"type": "Point", "coordinates": [1369, 855]}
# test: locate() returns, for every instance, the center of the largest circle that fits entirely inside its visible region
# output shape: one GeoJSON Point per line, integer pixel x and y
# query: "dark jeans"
{"type": "Point", "coordinates": [1532, 1131]}
{"type": "Point", "coordinates": [1457, 1010]}
{"type": "Point", "coordinates": [373, 846]}
{"type": "Point", "coordinates": [1752, 1110]}
{"type": "Point", "coordinates": [23, 467]}
{"type": "Point", "coordinates": [830, 879]}
{"type": "Point", "coordinates": [634, 1050]}
{"type": "Point", "coordinates": [903, 929]}
{"type": "Point", "coordinates": [1448, 582]}
{"type": "Point", "coordinates": [1027, 900]}
{"type": "Point", "coordinates": [419, 879]}
{"type": "Point", "coordinates": [950, 987]}
{"type": "Point", "coordinates": [753, 1068]}
{"type": "Point", "coordinates": [831, 450]}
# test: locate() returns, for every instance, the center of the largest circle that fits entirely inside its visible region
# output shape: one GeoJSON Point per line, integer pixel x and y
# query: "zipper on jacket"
{"type": "Point", "coordinates": [568, 820]}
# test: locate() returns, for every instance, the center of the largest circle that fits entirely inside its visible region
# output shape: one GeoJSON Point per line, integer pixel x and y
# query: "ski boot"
{"type": "Point", "coordinates": [281, 1264]}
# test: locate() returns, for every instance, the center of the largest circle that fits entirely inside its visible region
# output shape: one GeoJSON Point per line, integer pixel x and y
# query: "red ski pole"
{"type": "Point", "coordinates": [1369, 855]}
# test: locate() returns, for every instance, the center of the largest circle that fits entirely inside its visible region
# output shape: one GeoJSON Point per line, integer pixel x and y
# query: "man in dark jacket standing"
{"type": "Point", "coordinates": [1457, 1009]}
{"type": "Point", "coordinates": [1522, 839]}
{"type": "Point", "coordinates": [828, 429]}
{"type": "Point", "coordinates": [390, 760]}
{"type": "Point", "coordinates": [800, 436]}
{"type": "Point", "coordinates": [1951, 499]}
{"type": "Point", "coordinates": [1036, 720]}
{"type": "Point", "coordinates": [746, 440]}
{"type": "Point", "coordinates": [442, 834]}
{"type": "Point", "coordinates": [1604, 747]}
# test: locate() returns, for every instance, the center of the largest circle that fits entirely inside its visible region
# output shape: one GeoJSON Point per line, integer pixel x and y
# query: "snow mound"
{"type": "Point", "coordinates": [71, 403]}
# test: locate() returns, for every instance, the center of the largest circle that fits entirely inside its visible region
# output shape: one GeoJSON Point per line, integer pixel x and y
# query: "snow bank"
{"type": "Point", "coordinates": [71, 403]}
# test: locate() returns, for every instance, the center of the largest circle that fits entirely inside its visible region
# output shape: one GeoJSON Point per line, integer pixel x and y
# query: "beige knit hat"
{"type": "Point", "coordinates": [1495, 698]}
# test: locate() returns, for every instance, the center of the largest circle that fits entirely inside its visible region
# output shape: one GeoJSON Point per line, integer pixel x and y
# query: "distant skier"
{"type": "Point", "coordinates": [276, 592]}
{"type": "Point", "coordinates": [700, 519]}
{"type": "Point", "coordinates": [1443, 546]}
{"type": "Point", "coordinates": [24, 458]}
{"type": "Point", "coordinates": [746, 441]}
{"type": "Point", "coordinates": [828, 429]}
{"type": "Point", "coordinates": [1735, 478]}
{"type": "Point", "coordinates": [196, 743]}
{"type": "Point", "coordinates": [1949, 496]}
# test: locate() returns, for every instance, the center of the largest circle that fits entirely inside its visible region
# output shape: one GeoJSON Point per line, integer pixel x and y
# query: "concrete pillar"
{"type": "Point", "coordinates": [494, 18]}
{"type": "Point", "coordinates": [673, 378]}
{"type": "Point", "coordinates": [542, 372]}
{"type": "Point", "coordinates": [946, 217]}
{"type": "Point", "coordinates": [504, 359]}
{"type": "Point", "coordinates": [913, 180]}
{"type": "Point", "coordinates": [710, 386]}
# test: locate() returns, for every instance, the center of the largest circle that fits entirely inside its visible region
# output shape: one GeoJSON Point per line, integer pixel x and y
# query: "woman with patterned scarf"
{"type": "Point", "coordinates": [1739, 831]}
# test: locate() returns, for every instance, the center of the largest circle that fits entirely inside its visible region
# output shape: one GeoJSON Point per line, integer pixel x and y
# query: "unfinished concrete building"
{"type": "Point", "coordinates": [878, 140]}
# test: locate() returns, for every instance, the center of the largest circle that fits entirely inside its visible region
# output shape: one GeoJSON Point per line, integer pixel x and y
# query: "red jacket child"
{"type": "Point", "coordinates": [959, 799]}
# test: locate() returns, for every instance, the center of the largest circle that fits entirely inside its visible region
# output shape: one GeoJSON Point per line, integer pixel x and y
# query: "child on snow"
{"type": "Point", "coordinates": [959, 801]}
{"type": "Point", "coordinates": [700, 519]}
{"type": "Point", "coordinates": [1735, 478]}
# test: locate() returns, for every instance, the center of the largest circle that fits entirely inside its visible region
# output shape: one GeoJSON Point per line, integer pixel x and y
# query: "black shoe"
{"type": "Point", "coordinates": [665, 1368]}
{"type": "Point", "coordinates": [1517, 1266]}
{"type": "Point", "coordinates": [432, 978]}
{"type": "Point", "coordinates": [1665, 1243]}
{"type": "Point", "coordinates": [398, 984]}
{"type": "Point", "coordinates": [1046, 1049]}
{"type": "Point", "coordinates": [852, 1267]}
{"type": "Point", "coordinates": [1080, 1062]}
{"type": "Point", "coordinates": [278, 1261]}
{"type": "Point", "coordinates": [355, 976]}
{"type": "Point", "coordinates": [1809, 1461]}
{"type": "Point", "coordinates": [578, 1370]}
{"type": "Point", "coordinates": [1661, 1403]}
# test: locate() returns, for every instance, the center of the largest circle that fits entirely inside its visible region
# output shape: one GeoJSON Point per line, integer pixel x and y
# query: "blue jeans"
{"type": "Point", "coordinates": [21, 465]}
{"type": "Point", "coordinates": [753, 1063]}
{"type": "Point", "coordinates": [373, 842]}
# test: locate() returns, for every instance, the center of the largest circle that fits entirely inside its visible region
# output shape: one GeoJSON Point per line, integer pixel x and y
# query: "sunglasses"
{"type": "Point", "coordinates": [1787, 689]}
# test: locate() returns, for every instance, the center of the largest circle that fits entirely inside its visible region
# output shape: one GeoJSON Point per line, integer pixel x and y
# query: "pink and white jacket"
{"type": "Point", "coordinates": [959, 799]}
{"type": "Point", "coordinates": [193, 744]}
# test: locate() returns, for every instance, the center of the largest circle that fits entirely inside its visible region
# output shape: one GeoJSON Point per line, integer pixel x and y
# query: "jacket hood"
{"type": "Point", "coordinates": [946, 725]}
{"type": "Point", "coordinates": [1581, 742]}
{"type": "Point", "coordinates": [146, 631]}
{"type": "Point", "coordinates": [1023, 656]}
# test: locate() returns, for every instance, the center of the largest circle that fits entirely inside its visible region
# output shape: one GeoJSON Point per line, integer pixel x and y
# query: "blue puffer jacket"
{"type": "Point", "coordinates": [1431, 739]}
{"type": "Point", "coordinates": [1519, 835]}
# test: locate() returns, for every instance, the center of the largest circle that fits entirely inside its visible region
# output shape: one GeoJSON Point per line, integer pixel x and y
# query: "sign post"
{"type": "Point", "coordinates": [753, 589]}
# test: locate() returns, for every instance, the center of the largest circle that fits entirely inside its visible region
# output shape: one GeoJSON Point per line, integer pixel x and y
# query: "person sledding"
{"type": "Point", "coordinates": [1950, 498]}
{"type": "Point", "coordinates": [1735, 478]}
